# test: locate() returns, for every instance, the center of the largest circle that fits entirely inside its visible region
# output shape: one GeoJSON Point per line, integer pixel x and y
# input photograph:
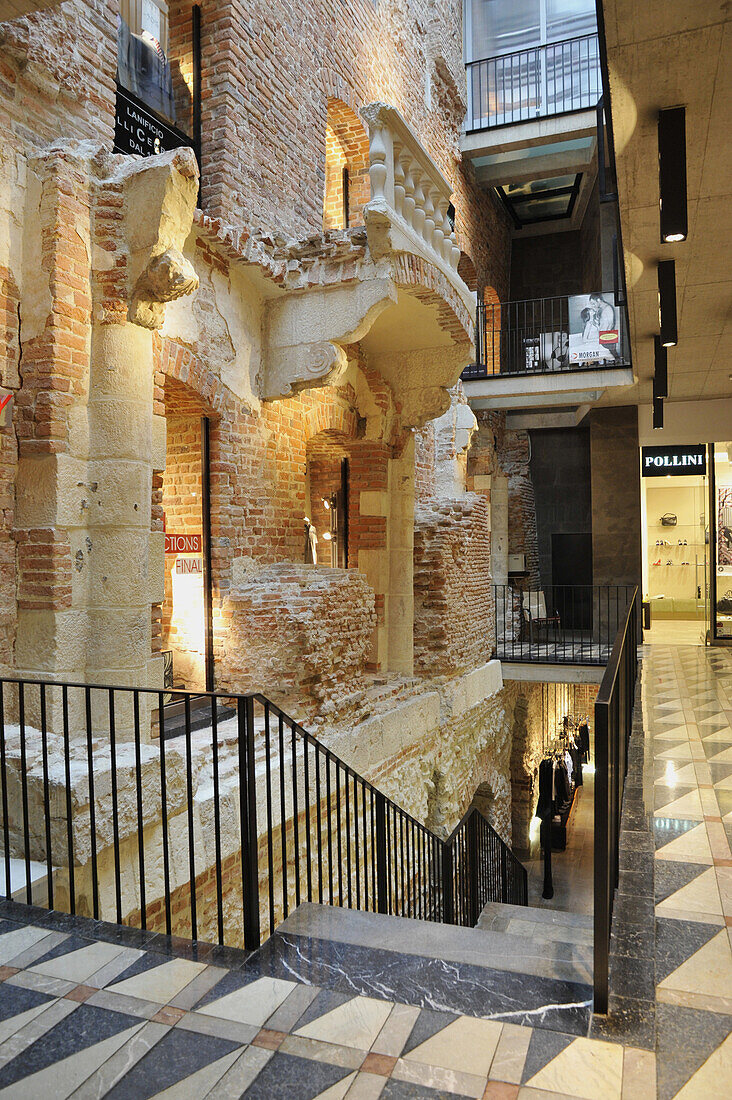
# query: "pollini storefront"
{"type": "Point", "coordinates": [686, 512]}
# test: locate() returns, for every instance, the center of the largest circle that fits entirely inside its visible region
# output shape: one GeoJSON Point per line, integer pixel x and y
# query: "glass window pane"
{"type": "Point", "coordinates": [497, 27]}
{"type": "Point", "coordinates": [569, 18]}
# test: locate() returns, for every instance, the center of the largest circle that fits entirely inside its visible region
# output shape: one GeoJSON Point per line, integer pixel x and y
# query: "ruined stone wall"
{"type": "Point", "coordinates": [299, 632]}
{"type": "Point", "coordinates": [496, 450]}
{"type": "Point", "coordinates": [453, 606]}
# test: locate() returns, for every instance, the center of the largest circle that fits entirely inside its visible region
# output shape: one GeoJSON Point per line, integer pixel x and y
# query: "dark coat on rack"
{"type": "Point", "coordinates": [544, 804]}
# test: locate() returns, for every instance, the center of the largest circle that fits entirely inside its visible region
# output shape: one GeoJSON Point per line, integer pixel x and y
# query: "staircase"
{"type": "Point", "coordinates": [535, 972]}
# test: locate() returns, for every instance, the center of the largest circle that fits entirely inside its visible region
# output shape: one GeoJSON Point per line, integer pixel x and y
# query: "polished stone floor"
{"type": "Point", "coordinates": [340, 1005]}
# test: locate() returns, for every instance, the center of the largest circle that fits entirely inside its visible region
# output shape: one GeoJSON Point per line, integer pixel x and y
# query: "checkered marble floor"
{"type": "Point", "coordinates": [90, 1010]}
{"type": "Point", "coordinates": [671, 970]}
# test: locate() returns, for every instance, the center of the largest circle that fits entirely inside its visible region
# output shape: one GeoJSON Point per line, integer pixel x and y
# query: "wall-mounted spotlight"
{"type": "Point", "coordinates": [667, 303]}
{"type": "Point", "coordinates": [660, 373]}
{"type": "Point", "coordinates": [672, 173]}
{"type": "Point", "coordinates": [657, 412]}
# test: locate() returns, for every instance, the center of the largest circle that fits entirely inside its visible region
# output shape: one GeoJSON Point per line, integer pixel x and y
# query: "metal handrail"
{"type": "Point", "coordinates": [302, 824]}
{"type": "Point", "coordinates": [613, 725]}
{"type": "Point", "coordinates": [537, 82]}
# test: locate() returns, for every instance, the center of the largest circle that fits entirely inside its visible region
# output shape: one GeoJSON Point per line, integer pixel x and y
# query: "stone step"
{"type": "Point", "coordinates": [466, 970]}
{"type": "Point", "coordinates": [545, 925]}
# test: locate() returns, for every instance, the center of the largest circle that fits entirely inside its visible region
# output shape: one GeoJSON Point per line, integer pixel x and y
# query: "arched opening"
{"type": "Point", "coordinates": [185, 611]}
{"type": "Point", "coordinates": [327, 500]}
{"type": "Point", "coordinates": [466, 271]}
{"type": "Point", "coordinates": [347, 186]}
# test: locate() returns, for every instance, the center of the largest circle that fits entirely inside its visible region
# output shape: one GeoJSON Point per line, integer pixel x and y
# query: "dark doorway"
{"type": "Point", "coordinates": [572, 579]}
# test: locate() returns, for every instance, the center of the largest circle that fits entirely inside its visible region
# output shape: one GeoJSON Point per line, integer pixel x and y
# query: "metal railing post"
{"type": "Point", "coordinates": [603, 828]}
{"type": "Point", "coordinates": [473, 907]}
{"type": "Point", "coordinates": [448, 894]}
{"type": "Point", "coordinates": [248, 822]}
{"type": "Point", "coordinates": [382, 871]}
{"type": "Point", "coordinates": [504, 874]}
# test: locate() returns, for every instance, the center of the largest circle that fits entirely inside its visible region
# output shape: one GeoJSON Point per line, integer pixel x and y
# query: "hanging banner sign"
{"type": "Point", "coordinates": [674, 461]}
{"type": "Point", "coordinates": [183, 544]}
{"type": "Point", "coordinates": [138, 130]}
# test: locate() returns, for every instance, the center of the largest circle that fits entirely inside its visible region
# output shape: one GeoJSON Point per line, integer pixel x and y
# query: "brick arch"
{"type": "Point", "coordinates": [330, 419]}
{"type": "Point", "coordinates": [182, 382]}
{"type": "Point", "coordinates": [466, 271]}
{"type": "Point", "coordinates": [336, 86]}
{"type": "Point", "coordinates": [346, 147]}
{"type": "Point", "coordinates": [430, 286]}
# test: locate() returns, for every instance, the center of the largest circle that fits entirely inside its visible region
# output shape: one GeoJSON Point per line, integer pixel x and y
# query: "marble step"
{"type": "Point", "coordinates": [444, 967]}
{"type": "Point", "coordinates": [545, 925]}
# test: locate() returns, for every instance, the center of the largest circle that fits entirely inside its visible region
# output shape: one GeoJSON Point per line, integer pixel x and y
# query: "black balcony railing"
{"type": "Point", "coordinates": [559, 624]}
{"type": "Point", "coordinates": [213, 817]}
{"type": "Point", "coordinates": [544, 335]}
{"type": "Point", "coordinates": [545, 80]}
{"type": "Point", "coordinates": [613, 724]}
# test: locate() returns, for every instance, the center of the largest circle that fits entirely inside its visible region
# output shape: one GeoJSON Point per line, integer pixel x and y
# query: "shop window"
{"type": "Point", "coordinates": [347, 185]}
{"type": "Point", "coordinates": [723, 547]}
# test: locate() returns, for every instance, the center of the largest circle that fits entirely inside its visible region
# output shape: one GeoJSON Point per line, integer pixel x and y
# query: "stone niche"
{"type": "Point", "coordinates": [301, 634]}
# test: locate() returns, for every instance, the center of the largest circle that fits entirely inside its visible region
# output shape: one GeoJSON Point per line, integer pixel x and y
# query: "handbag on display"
{"type": "Point", "coordinates": [725, 604]}
{"type": "Point", "coordinates": [669, 520]}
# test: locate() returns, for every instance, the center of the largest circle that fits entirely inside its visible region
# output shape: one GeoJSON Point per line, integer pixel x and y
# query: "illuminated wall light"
{"type": "Point", "coordinates": [667, 303]}
{"type": "Point", "coordinates": [657, 412]}
{"type": "Point", "coordinates": [660, 373]}
{"type": "Point", "coordinates": [672, 173]}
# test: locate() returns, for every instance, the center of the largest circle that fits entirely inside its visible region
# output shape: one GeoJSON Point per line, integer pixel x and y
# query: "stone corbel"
{"type": "Point", "coordinates": [306, 333]}
{"type": "Point", "coordinates": [159, 200]}
{"type": "Point", "coordinates": [168, 276]}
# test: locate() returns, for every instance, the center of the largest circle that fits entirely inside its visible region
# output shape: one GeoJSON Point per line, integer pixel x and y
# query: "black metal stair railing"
{"type": "Point", "coordinates": [212, 817]}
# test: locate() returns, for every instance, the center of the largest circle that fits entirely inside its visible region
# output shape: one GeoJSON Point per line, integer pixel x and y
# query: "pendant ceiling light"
{"type": "Point", "coordinates": [658, 411]}
{"type": "Point", "coordinates": [672, 173]}
{"type": "Point", "coordinates": [660, 374]}
{"type": "Point", "coordinates": [667, 303]}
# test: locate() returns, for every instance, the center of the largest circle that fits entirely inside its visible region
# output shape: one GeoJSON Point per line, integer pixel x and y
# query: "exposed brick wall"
{"type": "Point", "coordinates": [44, 569]}
{"type": "Point", "coordinates": [267, 74]}
{"type": "Point", "coordinates": [57, 74]}
{"type": "Point", "coordinates": [299, 632]}
{"type": "Point", "coordinates": [453, 600]}
{"type": "Point", "coordinates": [424, 463]}
{"type": "Point", "coordinates": [346, 146]}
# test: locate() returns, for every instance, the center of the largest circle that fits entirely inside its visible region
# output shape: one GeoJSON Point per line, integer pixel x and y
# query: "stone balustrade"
{"type": "Point", "coordinates": [410, 196]}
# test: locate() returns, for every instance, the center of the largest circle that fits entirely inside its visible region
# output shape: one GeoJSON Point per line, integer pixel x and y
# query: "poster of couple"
{"type": "Point", "coordinates": [594, 336]}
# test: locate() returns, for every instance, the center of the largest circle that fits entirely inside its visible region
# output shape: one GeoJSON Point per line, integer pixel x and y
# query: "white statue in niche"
{"type": "Point", "coordinates": [311, 542]}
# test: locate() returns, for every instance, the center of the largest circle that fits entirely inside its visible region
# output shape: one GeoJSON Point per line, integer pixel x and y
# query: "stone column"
{"type": "Point", "coordinates": [108, 231]}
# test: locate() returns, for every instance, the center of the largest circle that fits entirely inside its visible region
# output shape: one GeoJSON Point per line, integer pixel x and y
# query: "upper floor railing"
{"type": "Point", "coordinates": [545, 80]}
{"type": "Point", "coordinates": [538, 335]}
{"type": "Point", "coordinates": [212, 817]}
{"type": "Point", "coordinates": [559, 624]}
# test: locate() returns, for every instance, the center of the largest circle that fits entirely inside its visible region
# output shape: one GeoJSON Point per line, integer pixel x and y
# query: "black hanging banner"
{"type": "Point", "coordinates": [137, 129]}
{"type": "Point", "coordinates": [674, 461]}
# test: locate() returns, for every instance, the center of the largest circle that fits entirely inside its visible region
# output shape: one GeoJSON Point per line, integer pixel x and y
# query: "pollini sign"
{"type": "Point", "coordinates": [677, 461]}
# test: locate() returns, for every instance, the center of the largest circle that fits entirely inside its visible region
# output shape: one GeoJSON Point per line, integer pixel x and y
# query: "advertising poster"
{"type": "Point", "coordinates": [724, 525]}
{"type": "Point", "coordinates": [594, 335]}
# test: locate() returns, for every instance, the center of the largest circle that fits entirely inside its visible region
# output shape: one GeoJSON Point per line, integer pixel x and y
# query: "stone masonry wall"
{"type": "Point", "coordinates": [453, 606]}
{"type": "Point", "coordinates": [300, 631]}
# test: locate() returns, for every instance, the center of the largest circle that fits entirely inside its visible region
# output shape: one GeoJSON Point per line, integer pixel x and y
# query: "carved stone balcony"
{"type": "Point", "coordinates": [410, 197]}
